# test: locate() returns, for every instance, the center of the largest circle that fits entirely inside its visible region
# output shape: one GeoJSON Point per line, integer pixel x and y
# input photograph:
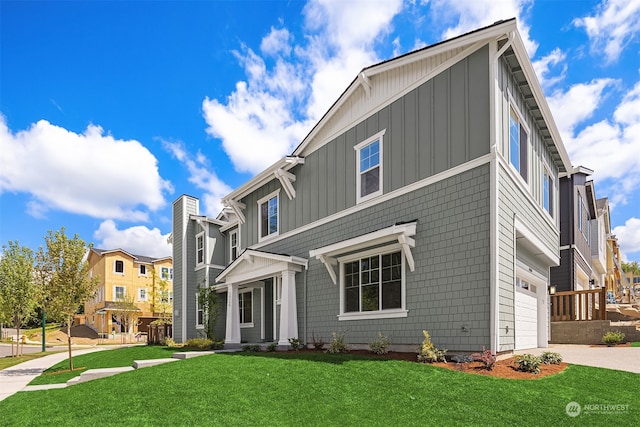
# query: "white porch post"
{"type": "Point", "coordinates": [288, 308]}
{"type": "Point", "coordinates": [233, 316]}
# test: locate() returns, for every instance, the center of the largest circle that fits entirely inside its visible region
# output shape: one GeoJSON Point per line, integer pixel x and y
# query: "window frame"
{"type": "Point", "coordinates": [200, 315]}
{"type": "Point", "coordinates": [262, 201]}
{"type": "Point", "coordinates": [142, 291]}
{"type": "Point", "coordinates": [115, 267]}
{"type": "Point", "coordinates": [382, 313]}
{"type": "Point", "coordinates": [242, 310]}
{"type": "Point", "coordinates": [140, 268]}
{"type": "Point", "coordinates": [232, 234]}
{"type": "Point", "coordinates": [115, 292]}
{"type": "Point", "coordinates": [169, 273]}
{"type": "Point", "coordinates": [359, 174]}
{"type": "Point", "coordinates": [203, 249]}
{"type": "Point", "coordinates": [522, 168]}
{"type": "Point", "coordinates": [548, 193]}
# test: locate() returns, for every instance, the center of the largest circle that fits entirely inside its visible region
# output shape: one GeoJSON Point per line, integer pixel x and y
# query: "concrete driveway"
{"type": "Point", "coordinates": [618, 358]}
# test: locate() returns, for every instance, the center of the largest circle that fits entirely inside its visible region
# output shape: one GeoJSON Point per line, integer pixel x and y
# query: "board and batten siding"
{"type": "Point", "coordinates": [441, 124]}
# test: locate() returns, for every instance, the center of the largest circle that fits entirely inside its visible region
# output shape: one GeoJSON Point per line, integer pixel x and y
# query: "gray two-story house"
{"type": "Point", "coordinates": [425, 198]}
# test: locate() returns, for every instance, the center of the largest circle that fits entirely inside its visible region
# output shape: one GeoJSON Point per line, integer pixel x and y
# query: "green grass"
{"type": "Point", "coordinates": [7, 362]}
{"type": "Point", "coordinates": [322, 389]}
{"type": "Point", "coordinates": [59, 373]}
{"type": "Point", "coordinates": [635, 344]}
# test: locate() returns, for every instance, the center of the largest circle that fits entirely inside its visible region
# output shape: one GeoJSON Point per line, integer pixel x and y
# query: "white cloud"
{"type": "Point", "coordinates": [268, 115]}
{"type": "Point", "coordinates": [470, 15]}
{"type": "Point", "coordinates": [546, 65]}
{"type": "Point", "coordinates": [89, 173]}
{"type": "Point", "coordinates": [629, 236]}
{"type": "Point", "coordinates": [138, 240]}
{"type": "Point", "coordinates": [613, 26]}
{"type": "Point", "coordinates": [202, 176]}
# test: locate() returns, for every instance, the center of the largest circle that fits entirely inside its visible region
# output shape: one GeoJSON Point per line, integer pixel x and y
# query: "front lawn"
{"type": "Point", "coordinates": [323, 389]}
{"type": "Point", "coordinates": [59, 373]}
{"type": "Point", "coordinates": [635, 344]}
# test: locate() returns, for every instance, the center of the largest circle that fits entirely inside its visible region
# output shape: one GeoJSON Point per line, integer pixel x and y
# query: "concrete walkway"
{"type": "Point", "coordinates": [618, 358]}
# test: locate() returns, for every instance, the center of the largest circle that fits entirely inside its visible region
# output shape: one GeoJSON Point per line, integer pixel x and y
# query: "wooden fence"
{"type": "Point", "coordinates": [579, 305]}
{"type": "Point", "coordinates": [157, 333]}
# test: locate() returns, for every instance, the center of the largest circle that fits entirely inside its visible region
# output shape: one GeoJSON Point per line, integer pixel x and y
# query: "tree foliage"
{"type": "Point", "coordinates": [208, 301]}
{"type": "Point", "coordinates": [63, 275]}
{"type": "Point", "coordinates": [127, 313]}
{"type": "Point", "coordinates": [160, 300]}
{"type": "Point", "coordinates": [18, 296]}
{"type": "Point", "coordinates": [631, 267]}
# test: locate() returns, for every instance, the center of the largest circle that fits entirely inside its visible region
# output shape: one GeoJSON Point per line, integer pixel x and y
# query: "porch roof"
{"type": "Point", "coordinates": [253, 265]}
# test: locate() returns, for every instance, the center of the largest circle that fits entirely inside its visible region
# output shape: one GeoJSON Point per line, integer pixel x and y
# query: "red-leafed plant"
{"type": "Point", "coordinates": [487, 358]}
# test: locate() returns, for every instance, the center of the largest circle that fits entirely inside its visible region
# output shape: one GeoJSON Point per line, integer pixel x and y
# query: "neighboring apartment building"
{"type": "Point", "coordinates": [577, 215]}
{"type": "Point", "coordinates": [600, 231]}
{"type": "Point", "coordinates": [425, 198]}
{"type": "Point", "coordinates": [127, 277]}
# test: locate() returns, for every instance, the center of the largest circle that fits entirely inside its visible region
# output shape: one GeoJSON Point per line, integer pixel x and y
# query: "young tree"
{"type": "Point", "coordinates": [160, 301]}
{"type": "Point", "coordinates": [127, 313]}
{"type": "Point", "coordinates": [68, 285]}
{"type": "Point", "coordinates": [631, 266]}
{"type": "Point", "coordinates": [17, 288]}
{"type": "Point", "coordinates": [208, 301]}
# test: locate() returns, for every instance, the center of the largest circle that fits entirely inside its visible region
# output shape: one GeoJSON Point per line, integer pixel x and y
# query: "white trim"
{"type": "Point", "coordinates": [246, 291]}
{"type": "Point", "coordinates": [523, 123]}
{"type": "Point", "coordinates": [145, 270]}
{"type": "Point", "coordinates": [384, 198]}
{"type": "Point", "coordinates": [291, 262]}
{"type": "Point", "coordinates": [115, 294]}
{"type": "Point", "coordinates": [200, 264]}
{"type": "Point", "coordinates": [198, 308]}
{"type": "Point", "coordinates": [119, 273]}
{"type": "Point", "coordinates": [358, 148]}
{"type": "Point", "coordinates": [231, 234]}
{"type": "Point", "coordinates": [495, 135]}
{"type": "Point", "coordinates": [370, 315]}
{"type": "Point", "coordinates": [543, 250]}
{"type": "Point", "coordinates": [266, 199]}
{"type": "Point", "coordinates": [146, 298]}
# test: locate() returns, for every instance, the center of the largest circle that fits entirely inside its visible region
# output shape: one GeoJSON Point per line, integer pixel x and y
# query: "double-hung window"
{"type": "Point", "coordinates": [199, 314]}
{"type": "Point", "coordinates": [118, 266]}
{"type": "Point", "coordinates": [233, 244]}
{"type": "Point", "coordinates": [518, 143]}
{"type": "Point", "coordinates": [373, 282]}
{"type": "Point", "coordinates": [547, 191]}
{"type": "Point", "coordinates": [142, 294]}
{"type": "Point", "coordinates": [142, 270]}
{"type": "Point", "coordinates": [200, 249]}
{"type": "Point", "coordinates": [166, 273]}
{"type": "Point", "coordinates": [246, 311]}
{"type": "Point", "coordinates": [118, 292]}
{"type": "Point", "coordinates": [369, 168]}
{"type": "Point", "coordinates": [268, 218]}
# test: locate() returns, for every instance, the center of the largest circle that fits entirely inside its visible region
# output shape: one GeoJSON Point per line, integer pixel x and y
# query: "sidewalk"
{"type": "Point", "coordinates": [618, 358]}
{"type": "Point", "coordinates": [16, 378]}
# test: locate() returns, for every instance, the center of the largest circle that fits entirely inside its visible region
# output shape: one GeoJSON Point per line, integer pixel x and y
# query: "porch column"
{"type": "Point", "coordinates": [233, 316]}
{"type": "Point", "coordinates": [288, 309]}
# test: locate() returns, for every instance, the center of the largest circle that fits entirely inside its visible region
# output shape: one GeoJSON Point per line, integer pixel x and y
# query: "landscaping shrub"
{"type": "Point", "coordinates": [199, 343]}
{"type": "Point", "coordinates": [428, 353]}
{"type": "Point", "coordinates": [272, 347]}
{"type": "Point", "coordinates": [380, 345]}
{"type": "Point", "coordinates": [550, 358]}
{"type": "Point", "coordinates": [338, 344]}
{"type": "Point", "coordinates": [294, 343]}
{"type": "Point", "coordinates": [251, 348]}
{"type": "Point", "coordinates": [318, 343]}
{"type": "Point", "coordinates": [613, 338]}
{"type": "Point", "coordinates": [528, 363]}
{"type": "Point", "coordinates": [487, 358]}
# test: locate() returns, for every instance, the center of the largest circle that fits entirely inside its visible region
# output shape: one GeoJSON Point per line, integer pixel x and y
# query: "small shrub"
{"type": "Point", "coordinates": [272, 347]}
{"type": "Point", "coordinates": [613, 338]}
{"type": "Point", "coordinates": [169, 342]}
{"type": "Point", "coordinates": [318, 343]}
{"type": "Point", "coordinates": [487, 358]}
{"type": "Point", "coordinates": [528, 363]}
{"type": "Point", "coordinates": [199, 343]}
{"type": "Point", "coordinates": [251, 348]}
{"type": "Point", "coordinates": [217, 345]}
{"type": "Point", "coordinates": [550, 358]}
{"type": "Point", "coordinates": [294, 343]}
{"type": "Point", "coordinates": [462, 358]}
{"type": "Point", "coordinates": [338, 344]}
{"type": "Point", "coordinates": [380, 345]}
{"type": "Point", "coordinates": [428, 353]}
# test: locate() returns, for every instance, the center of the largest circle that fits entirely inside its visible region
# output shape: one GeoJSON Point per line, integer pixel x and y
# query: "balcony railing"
{"type": "Point", "coordinates": [579, 305]}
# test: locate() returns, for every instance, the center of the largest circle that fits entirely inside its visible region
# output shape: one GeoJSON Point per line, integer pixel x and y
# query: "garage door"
{"type": "Point", "coordinates": [526, 315]}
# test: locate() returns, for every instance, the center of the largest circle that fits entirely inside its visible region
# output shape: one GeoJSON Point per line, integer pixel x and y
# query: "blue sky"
{"type": "Point", "coordinates": [111, 110]}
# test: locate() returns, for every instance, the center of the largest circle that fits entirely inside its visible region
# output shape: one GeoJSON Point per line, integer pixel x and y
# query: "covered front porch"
{"type": "Point", "coordinates": [261, 298]}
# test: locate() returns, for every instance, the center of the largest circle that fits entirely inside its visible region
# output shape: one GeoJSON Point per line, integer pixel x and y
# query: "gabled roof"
{"type": "Point", "coordinates": [249, 256]}
{"type": "Point", "coordinates": [140, 259]}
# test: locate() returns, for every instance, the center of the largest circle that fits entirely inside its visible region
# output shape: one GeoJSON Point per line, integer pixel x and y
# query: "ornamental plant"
{"type": "Point", "coordinates": [528, 363]}
{"type": "Point", "coordinates": [487, 358]}
{"type": "Point", "coordinates": [380, 345]}
{"type": "Point", "coordinates": [428, 352]}
{"type": "Point", "coordinates": [613, 338]}
{"type": "Point", "coordinates": [338, 344]}
{"type": "Point", "coordinates": [550, 358]}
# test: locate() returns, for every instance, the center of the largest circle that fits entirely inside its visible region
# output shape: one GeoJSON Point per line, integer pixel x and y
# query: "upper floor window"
{"type": "Point", "coordinates": [268, 222]}
{"type": "Point", "coordinates": [119, 292]}
{"type": "Point", "coordinates": [579, 211]}
{"type": "Point", "coordinates": [200, 249]}
{"type": "Point", "coordinates": [142, 294]}
{"type": "Point", "coordinates": [166, 273]}
{"type": "Point", "coordinates": [518, 143]}
{"type": "Point", "coordinates": [547, 191]}
{"type": "Point", "coordinates": [369, 168]}
{"type": "Point", "coordinates": [118, 266]}
{"type": "Point", "coordinates": [142, 270]}
{"type": "Point", "coordinates": [233, 244]}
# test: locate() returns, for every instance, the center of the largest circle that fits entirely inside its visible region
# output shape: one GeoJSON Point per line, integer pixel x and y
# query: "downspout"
{"type": "Point", "coordinates": [306, 269]}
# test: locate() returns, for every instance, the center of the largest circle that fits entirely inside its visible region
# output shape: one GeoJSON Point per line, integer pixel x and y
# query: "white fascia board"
{"type": "Point", "coordinates": [248, 257]}
{"type": "Point", "coordinates": [534, 84]}
{"type": "Point", "coordinates": [552, 258]}
{"type": "Point", "coordinates": [200, 219]}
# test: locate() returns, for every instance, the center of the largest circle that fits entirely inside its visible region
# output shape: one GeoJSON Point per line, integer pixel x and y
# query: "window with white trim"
{"type": "Point", "coordinates": [142, 294]}
{"type": "Point", "coordinates": [199, 314]}
{"type": "Point", "coordinates": [119, 292]}
{"type": "Point", "coordinates": [369, 168]}
{"type": "Point", "coordinates": [200, 248]}
{"type": "Point", "coordinates": [166, 273]}
{"type": "Point", "coordinates": [233, 245]}
{"type": "Point", "coordinates": [372, 282]}
{"type": "Point", "coordinates": [118, 266]}
{"type": "Point", "coordinates": [518, 143]}
{"type": "Point", "coordinates": [245, 299]}
{"type": "Point", "coordinates": [268, 218]}
{"type": "Point", "coordinates": [579, 208]}
{"type": "Point", "coordinates": [547, 191]}
{"type": "Point", "coordinates": [142, 270]}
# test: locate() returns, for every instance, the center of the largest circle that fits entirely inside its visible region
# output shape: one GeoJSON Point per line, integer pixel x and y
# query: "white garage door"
{"type": "Point", "coordinates": [526, 315]}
